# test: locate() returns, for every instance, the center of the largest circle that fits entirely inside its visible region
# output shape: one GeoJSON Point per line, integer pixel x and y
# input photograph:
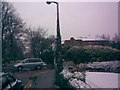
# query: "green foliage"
{"type": "Point", "coordinates": [77, 54]}
{"type": "Point", "coordinates": [92, 53]}
{"type": "Point", "coordinates": [64, 50]}
{"type": "Point", "coordinates": [48, 56]}
{"type": "Point", "coordinates": [102, 53]}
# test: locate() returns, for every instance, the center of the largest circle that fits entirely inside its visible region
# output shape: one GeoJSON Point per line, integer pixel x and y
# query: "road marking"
{"type": "Point", "coordinates": [31, 81]}
{"type": "Point", "coordinates": [28, 85]}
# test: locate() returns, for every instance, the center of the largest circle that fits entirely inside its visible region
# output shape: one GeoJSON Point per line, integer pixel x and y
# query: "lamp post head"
{"type": "Point", "coordinates": [48, 2]}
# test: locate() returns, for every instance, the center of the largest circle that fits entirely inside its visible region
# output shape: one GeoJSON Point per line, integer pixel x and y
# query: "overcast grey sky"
{"type": "Point", "coordinates": [77, 19]}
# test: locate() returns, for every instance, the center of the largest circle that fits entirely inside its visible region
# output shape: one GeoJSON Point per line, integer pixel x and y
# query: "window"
{"type": "Point", "coordinates": [36, 60]}
{"type": "Point", "coordinates": [26, 61]}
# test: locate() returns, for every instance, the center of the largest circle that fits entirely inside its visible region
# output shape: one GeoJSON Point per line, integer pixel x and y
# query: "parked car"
{"type": "Point", "coordinates": [8, 82]}
{"type": "Point", "coordinates": [34, 63]}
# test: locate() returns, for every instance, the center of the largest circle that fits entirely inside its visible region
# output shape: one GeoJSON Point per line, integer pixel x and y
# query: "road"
{"type": "Point", "coordinates": [37, 79]}
{"type": "Point", "coordinates": [45, 80]}
{"type": "Point", "coordinates": [34, 78]}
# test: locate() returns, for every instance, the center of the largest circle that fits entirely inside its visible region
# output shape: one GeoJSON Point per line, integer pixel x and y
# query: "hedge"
{"type": "Point", "coordinates": [92, 53]}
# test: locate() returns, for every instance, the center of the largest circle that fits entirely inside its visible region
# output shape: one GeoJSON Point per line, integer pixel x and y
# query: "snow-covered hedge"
{"type": "Point", "coordinates": [108, 66]}
{"type": "Point", "coordinates": [74, 79]}
{"type": "Point", "coordinates": [78, 83]}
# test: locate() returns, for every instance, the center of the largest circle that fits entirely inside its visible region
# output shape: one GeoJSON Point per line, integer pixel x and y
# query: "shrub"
{"type": "Point", "coordinates": [77, 55]}
{"type": "Point", "coordinates": [92, 53]}
{"type": "Point", "coordinates": [102, 53]}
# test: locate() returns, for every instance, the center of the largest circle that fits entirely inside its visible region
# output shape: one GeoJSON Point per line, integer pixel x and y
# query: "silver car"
{"type": "Point", "coordinates": [35, 63]}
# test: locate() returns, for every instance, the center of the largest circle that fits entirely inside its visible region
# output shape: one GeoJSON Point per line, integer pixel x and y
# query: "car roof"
{"type": "Point", "coordinates": [33, 59]}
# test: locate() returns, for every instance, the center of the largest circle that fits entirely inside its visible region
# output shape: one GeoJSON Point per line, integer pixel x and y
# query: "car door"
{"type": "Point", "coordinates": [26, 64]}
{"type": "Point", "coordinates": [31, 63]}
{"type": "Point", "coordinates": [38, 62]}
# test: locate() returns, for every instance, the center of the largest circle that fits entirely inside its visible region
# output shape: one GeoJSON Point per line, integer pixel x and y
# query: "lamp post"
{"type": "Point", "coordinates": [58, 59]}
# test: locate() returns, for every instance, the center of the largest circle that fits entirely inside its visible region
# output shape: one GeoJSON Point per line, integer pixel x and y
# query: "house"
{"type": "Point", "coordinates": [85, 42]}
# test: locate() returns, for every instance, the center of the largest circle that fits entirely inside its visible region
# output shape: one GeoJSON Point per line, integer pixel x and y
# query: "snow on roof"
{"type": "Point", "coordinates": [94, 39]}
{"type": "Point", "coordinates": [86, 39]}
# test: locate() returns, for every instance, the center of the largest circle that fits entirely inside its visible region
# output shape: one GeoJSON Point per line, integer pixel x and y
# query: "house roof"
{"type": "Point", "coordinates": [86, 39]}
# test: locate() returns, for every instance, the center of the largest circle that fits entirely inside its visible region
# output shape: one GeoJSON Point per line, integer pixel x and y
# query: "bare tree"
{"type": "Point", "coordinates": [116, 41]}
{"type": "Point", "coordinates": [37, 38]}
{"type": "Point", "coordinates": [103, 36]}
{"type": "Point", "coordinates": [11, 26]}
{"type": "Point", "coordinates": [116, 38]}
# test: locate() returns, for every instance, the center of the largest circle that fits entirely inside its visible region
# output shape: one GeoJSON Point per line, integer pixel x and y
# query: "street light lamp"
{"type": "Point", "coordinates": [49, 2]}
{"type": "Point", "coordinates": [58, 39]}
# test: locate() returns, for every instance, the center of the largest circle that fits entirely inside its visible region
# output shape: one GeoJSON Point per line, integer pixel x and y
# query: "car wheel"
{"type": "Point", "coordinates": [20, 68]}
{"type": "Point", "coordinates": [38, 67]}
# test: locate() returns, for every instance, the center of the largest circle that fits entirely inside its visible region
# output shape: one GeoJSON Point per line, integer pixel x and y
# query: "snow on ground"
{"type": "Point", "coordinates": [102, 79]}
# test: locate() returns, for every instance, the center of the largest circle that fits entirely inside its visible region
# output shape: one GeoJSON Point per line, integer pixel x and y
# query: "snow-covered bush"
{"type": "Point", "coordinates": [78, 83]}
{"type": "Point", "coordinates": [108, 66]}
{"type": "Point", "coordinates": [74, 79]}
{"type": "Point", "coordinates": [79, 75]}
{"type": "Point", "coordinates": [66, 74]}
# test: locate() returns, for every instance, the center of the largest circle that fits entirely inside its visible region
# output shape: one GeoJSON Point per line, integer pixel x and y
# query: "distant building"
{"type": "Point", "coordinates": [85, 42]}
{"type": "Point", "coordinates": [72, 42]}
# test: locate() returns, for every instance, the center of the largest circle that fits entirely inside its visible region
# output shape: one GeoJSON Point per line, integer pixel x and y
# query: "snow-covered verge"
{"type": "Point", "coordinates": [74, 79]}
{"type": "Point", "coordinates": [108, 66]}
{"type": "Point", "coordinates": [76, 76]}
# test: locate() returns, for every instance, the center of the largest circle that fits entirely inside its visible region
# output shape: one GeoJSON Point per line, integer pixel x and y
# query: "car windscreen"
{"type": "Point", "coordinates": [26, 61]}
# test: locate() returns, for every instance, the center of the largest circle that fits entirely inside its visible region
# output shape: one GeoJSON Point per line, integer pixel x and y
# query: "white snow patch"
{"type": "Point", "coordinates": [79, 75]}
{"type": "Point", "coordinates": [78, 83]}
{"type": "Point", "coordinates": [66, 74]}
{"type": "Point", "coordinates": [102, 79]}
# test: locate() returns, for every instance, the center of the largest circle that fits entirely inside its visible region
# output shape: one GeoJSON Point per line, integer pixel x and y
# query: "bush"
{"type": "Point", "coordinates": [102, 53]}
{"type": "Point", "coordinates": [77, 55]}
{"type": "Point", "coordinates": [48, 57]}
{"type": "Point", "coordinates": [92, 53]}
